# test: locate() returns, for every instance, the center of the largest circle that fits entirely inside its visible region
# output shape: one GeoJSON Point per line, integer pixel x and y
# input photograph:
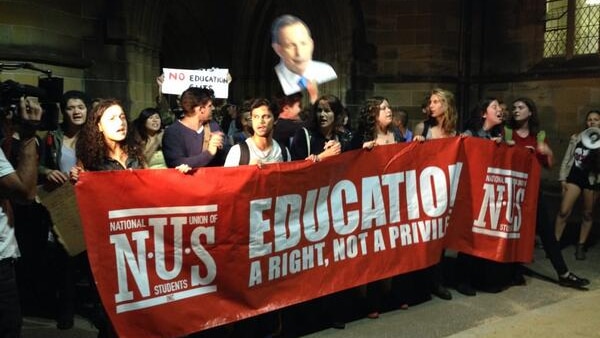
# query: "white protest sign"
{"type": "Point", "coordinates": [178, 80]}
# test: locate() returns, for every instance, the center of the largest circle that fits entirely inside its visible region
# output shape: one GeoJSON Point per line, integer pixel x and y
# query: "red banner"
{"type": "Point", "coordinates": [174, 254]}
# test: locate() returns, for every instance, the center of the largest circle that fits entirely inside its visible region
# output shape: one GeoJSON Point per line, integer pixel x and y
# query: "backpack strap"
{"type": "Point", "coordinates": [244, 153]}
{"type": "Point", "coordinates": [307, 141]}
{"type": "Point", "coordinates": [426, 127]}
{"type": "Point", "coordinates": [284, 153]}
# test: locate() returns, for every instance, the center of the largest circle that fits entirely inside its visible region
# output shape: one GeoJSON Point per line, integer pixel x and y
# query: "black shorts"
{"type": "Point", "coordinates": [579, 178]}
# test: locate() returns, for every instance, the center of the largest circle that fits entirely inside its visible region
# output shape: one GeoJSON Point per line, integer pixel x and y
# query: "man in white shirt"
{"type": "Point", "coordinates": [19, 184]}
{"type": "Point", "coordinates": [291, 40]}
{"type": "Point", "coordinates": [260, 148]}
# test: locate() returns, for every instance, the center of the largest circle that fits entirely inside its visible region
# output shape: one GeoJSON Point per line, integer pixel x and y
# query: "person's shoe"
{"type": "Point", "coordinates": [579, 252]}
{"type": "Point", "coordinates": [466, 289]}
{"type": "Point", "coordinates": [64, 323]}
{"type": "Point", "coordinates": [572, 281]}
{"type": "Point", "coordinates": [338, 325]}
{"type": "Point", "coordinates": [518, 279]}
{"type": "Point", "coordinates": [373, 315]}
{"type": "Point", "coordinates": [441, 292]}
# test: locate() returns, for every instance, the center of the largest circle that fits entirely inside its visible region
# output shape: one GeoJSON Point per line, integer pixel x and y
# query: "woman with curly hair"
{"type": "Point", "coordinates": [375, 125]}
{"type": "Point", "coordinates": [441, 117]}
{"type": "Point", "coordinates": [103, 143]}
{"type": "Point", "coordinates": [375, 128]}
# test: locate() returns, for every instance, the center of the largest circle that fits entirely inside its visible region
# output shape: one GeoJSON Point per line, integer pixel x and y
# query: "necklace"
{"type": "Point", "coordinates": [386, 138]}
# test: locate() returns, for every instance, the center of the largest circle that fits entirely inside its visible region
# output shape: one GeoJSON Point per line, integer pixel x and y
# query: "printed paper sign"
{"type": "Point", "coordinates": [178, 80]}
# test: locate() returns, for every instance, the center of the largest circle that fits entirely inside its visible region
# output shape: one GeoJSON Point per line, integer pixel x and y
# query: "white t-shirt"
{"type": "Point", "coordinates": [273, 155]}
{"type": "Point", "coordinates": [8, 241]}
{"type": "Point", "coordinates": [316, 71]}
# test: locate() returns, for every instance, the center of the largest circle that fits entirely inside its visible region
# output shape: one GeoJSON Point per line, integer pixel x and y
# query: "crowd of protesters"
{"type": "Point", "coordinates": [256, 132]}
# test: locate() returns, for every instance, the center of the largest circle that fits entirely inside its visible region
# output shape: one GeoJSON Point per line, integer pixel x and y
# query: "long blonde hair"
{"type": "Point", "coordinates": [450, 113]}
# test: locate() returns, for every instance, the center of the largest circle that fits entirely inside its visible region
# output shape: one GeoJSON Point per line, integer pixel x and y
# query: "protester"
{"type": "Point", "coordinates": [243, 124]}
{"type": "Point", "coordinates": [400, 120]}
{"type": "Point", "coordinates": [288, 119]}
{"type": "Point", "coordinates": [17, 185]}
{"type": "Point", "coordinates": [485, 122]}
{"type": "Point", "coordinates": [260, 148]}
{"type": "Point", "coordinates": [375, 125]}
{"type": "Point", "coordinates": [57, 157]}
{"type": "Point", "coordinates": [320, 139]}
{"type": "Point", "coordinates": [440, 123]}
{"type": "Point", "coordinates": [577, 177]}
{"type": "Point", "coordinates": [195, 140]}
{"type": "Point", "coordinates": [229, 113]}
{"type": "Point", "coordinates": [345, 128]}
{"type": "Point", "coordinates": [523, 130]}
{"type": "Point", "coordinates": [147, 128]}
{"type": "Point", "coordinates": [441, 117]}
{"type": "Point", "coordinates": [375, 129]}
{"type": "Point", "coordinates": [104, 145]}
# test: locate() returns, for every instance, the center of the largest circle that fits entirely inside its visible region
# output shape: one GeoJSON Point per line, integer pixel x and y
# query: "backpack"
{"type": "Point", "coordinates": [245, 153]}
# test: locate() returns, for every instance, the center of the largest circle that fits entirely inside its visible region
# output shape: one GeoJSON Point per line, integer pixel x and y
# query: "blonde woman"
{"type": "Point", "coordinates": [441, 117]}
{"type": "Point", "coordinates": [440, 123]}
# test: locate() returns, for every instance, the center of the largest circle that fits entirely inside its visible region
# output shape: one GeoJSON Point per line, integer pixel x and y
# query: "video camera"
{"type": "Point", "coordinates": [49, 93]}
{"type": "Point", "coordinates": [11, 93]}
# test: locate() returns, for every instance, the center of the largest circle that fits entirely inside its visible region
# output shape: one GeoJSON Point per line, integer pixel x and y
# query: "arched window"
{"type": "Point", "coordinates": [572, 28]}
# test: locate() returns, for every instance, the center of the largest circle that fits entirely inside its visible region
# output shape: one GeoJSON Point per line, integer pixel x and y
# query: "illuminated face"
{"type": "Point", "coordinates": [205, 112]}
{"type": "Point", "coordinates": [262, 121]}
{"type": "Point", "coordinates": [437, 106]}
{"type": "Point", "coordinates": [505, 112]}
{"type": "Point", "coordinates": [113, 124]}
{"type": "Point", "coordinates": [247, 119]}
{"type": "Point", "coordinates": [384, 117]}
{"type": "Point", "coordinates": [153, 123]}
{"type": "Point", "coordinates": [593, 120]}
{"type": "Point", "coordinates": [75, 112]}
{"type": "Point", "coordinates": [520, 111]}
{"type": "Point", "coordinates": [293, 110]}
{"type": "Point", "coordinates": [295, 47]}
{"type": "Point", "coordinates": [493, 114]}
{"type": "Point", "coordinates": [325, 115]}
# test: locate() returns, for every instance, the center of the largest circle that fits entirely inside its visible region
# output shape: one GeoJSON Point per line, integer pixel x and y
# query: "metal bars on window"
{"type": "Point", "coordinates": [572, 27]}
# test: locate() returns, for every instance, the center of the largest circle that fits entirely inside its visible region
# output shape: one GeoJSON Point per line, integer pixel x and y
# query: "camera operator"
{"type": "Point", "coordinates": [19, 185]}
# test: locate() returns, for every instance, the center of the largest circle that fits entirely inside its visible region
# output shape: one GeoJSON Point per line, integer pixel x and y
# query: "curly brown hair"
{"type": "Point", "coordinates": [368, 117]}
{"type": "Point", "coordinates": [91, 149]}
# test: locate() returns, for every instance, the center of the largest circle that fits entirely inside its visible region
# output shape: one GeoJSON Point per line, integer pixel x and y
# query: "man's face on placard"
{"type": "Point", "coordinates": [295, 47]}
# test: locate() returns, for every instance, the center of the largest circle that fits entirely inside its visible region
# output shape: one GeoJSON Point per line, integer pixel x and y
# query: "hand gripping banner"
{"type": "Point", "coordinates": [174, 254]}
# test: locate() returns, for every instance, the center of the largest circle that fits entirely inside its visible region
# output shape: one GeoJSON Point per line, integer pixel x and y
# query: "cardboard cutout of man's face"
{"type": "Point", "coordinates": [295, 47]}
{"type": "Point", "coordinates": [297, 70]}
